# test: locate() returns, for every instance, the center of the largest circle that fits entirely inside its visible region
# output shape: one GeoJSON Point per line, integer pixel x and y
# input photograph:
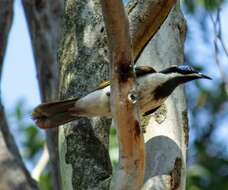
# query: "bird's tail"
{"type": "Point", "coordinates": [53, 114]}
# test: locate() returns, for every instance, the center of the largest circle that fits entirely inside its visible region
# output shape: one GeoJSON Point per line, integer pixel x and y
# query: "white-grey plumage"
{"type": "Point", "coordinates": [97, 103]}
{"type": "Point", "coordinates": [153, 89]}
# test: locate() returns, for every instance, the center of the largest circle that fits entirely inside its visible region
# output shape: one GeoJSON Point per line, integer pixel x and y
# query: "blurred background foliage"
{"type": "Point", "coordinates": [31, 140]}
{"type": "Point", "coordinates": [208, 106]}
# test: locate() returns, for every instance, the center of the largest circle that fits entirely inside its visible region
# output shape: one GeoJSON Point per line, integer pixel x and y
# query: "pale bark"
{"type": "Point", "coordinates": [166, 134]}
{"type": "Point", "coordinates": [83, 59]}
{"type": "Point", "coordinates": [13, 173]}
{"type": "Point", "coordinates": [44, 21]}
{"type": "Point", "coordinates": [130, 173]}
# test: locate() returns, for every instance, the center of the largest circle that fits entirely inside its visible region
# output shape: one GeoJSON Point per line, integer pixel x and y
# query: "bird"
{"type": "Point", "coordinates": [153, 89]}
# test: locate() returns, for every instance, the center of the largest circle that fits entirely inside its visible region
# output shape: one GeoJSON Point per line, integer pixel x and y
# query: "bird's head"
{"type": "Point", "coordinates": [174, 76]}
{"type": "Point", "coordinates": [183, 73]}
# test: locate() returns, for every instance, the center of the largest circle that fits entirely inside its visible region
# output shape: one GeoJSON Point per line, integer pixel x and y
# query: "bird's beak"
{"type": "Point", "coordinates": [201, 75]}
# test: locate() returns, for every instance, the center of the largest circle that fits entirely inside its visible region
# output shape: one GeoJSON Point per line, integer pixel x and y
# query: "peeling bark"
{"type": "Point", "coordinates": [166, 138]}
{"type": "Point", "coordinates": [13, 173]}
{"type": "Point", "coordinates": [44, 20]}
{"type": "Point", "coordinates": [83, 144]}
{"type": "Point", "coordinates": [175, 174]}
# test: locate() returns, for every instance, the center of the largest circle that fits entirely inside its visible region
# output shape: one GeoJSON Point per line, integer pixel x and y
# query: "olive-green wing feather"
{"type": "Point", "coordinates": [143, 70]}
{"type": "Point", "coordinates": [103, 85]}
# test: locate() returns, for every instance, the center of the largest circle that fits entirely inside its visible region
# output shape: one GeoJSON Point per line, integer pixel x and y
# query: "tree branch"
{"type": "Point", "coordinates": [146, 17]}
{"type": "Point", "coordinates": [44, 20]}
{"type": "Point", "coordinates": [130, 174]}
{"type": "Point", "coordinates": [13, 173]}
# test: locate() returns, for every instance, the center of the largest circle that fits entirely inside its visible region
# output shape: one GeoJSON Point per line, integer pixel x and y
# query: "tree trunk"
{"type": "Point", "coordinates": [84, 62]}
{"type": "Point", "coordinates": [166, 134]}
{"type": "Point", "coordinates": [13, 173]}
{"type": "Point", "coordinates": [125, 113]}
{"type": "Point", "coordinates": [83, 144]}
{"type": "Point", "coordinates": [44, 20]}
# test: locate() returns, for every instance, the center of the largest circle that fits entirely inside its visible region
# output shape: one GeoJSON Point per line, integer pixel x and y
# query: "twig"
{"type": "Point", "coordinates": [219, 35]}
{"type": "Point", "coordinates": [218, 38]}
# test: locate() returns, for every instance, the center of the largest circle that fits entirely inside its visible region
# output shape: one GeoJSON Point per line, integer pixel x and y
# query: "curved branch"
{"type": "Point", "coordinates": [44, 18]}
{"type": "Point", "coordinates": [13, 173]}
{"type": "Point", "coordinates": [146, 17]}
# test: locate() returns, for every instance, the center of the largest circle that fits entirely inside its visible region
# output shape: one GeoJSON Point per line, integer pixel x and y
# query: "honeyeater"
{"type": "Point", "coordinates": [153, 89]}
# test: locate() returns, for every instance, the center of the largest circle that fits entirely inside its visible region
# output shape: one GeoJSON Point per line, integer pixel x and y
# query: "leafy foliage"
{"type": "Point", "coordinates": [31, 139]}
{"type": "Point", "coordinates": [44, 183]}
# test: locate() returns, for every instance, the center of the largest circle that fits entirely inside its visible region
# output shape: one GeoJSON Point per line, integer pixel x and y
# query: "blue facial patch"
{"type": "Point", "coordinates": [185, 69]}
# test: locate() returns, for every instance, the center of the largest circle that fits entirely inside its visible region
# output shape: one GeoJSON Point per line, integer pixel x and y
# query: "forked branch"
{"type": "Point", "coordinates": [130, 174]}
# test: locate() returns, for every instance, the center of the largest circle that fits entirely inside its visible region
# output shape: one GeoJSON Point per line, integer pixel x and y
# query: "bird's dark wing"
{"type": "Point", "coordinates": [171, 69]}
{"type": "Point", "coordinates": [139, 71]}
{"type": "Point", "coordinates": [143, 70]}
{"type": "Point", "coordinates": [151, 111]}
